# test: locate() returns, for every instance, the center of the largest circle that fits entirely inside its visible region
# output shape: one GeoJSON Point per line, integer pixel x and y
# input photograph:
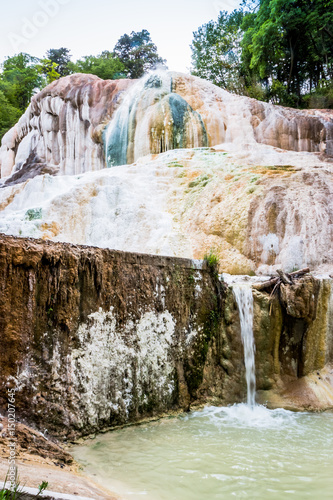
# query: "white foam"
{"type": "Point", "coordinates": [243, 415]}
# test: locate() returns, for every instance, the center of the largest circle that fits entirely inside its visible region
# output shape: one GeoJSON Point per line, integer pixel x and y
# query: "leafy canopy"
{"type": "Point", "coordinates": [216, 50]}
{"type": "Point", "coordinates": [8, 115]}
{"type": "Point", "coordinates": [61, 58]}
{"type": "Point", "coordinates": [19, 80]}
{"type": "Point", "coordinates": [277, 50]}
{"type": "Point", "coordinates": [291, 41]}
{"type": "Point", "coordinates": [138, 53]}
{"type": "Point", "coordinates": [105, 66]}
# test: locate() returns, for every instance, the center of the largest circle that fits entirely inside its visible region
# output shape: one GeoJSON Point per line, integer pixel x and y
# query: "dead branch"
{"type": "Point", "coordinates": [300, 272]}
{"type": "Point", "coordinates": [282, 278]}
{"type": "Point", "coordinates": [265, 284]}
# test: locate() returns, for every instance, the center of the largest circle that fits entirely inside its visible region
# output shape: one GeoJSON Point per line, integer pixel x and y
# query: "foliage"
{"type": "Point", "coordinates": [216, 50]}
{"type": "Point", "coordinates": [274, 50]}
{"type": "Point", "coordinates": [8, 115]}
{"type": "Point", "coordinates": [61, 58]}
{"type": "Point", "coordinates": [49, 70]}
{"type": "Point", "coordinates": [321, 97]}
{"type": "Point", "coordinates": [289, 45]}
{"type": "Point", "coordinates": [213, 261]}
{"type": "Point", "coordinates": [138, 53]}
{"type": "Point", "coordinates": [19, 80]}
{"type": "Point", "coordinates": [105, 66]}
{"type": "Point", "coordinates": [16, 490]}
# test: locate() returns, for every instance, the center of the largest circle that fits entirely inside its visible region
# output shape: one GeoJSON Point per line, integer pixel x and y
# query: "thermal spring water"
{"type": "Point", "coordinates": [217, 454]}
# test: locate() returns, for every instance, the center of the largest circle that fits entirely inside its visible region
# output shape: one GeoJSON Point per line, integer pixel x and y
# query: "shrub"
{"type": "Point", "coordinates": [213, 261]}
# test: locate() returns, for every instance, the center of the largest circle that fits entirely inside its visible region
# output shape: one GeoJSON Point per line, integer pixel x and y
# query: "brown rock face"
{"type": "Point", "coordinates": [92, 338]}
{"type": "Point", "coordinates": [31, 442]}
{"type": "Point", "coordinates": [293, 335]}
{"type": "Point", "coordinates": [287, 323]}
{"type": "Point", "coordinates": [300, 299]}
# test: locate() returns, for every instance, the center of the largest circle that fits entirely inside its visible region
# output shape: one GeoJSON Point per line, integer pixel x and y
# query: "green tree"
{"type": "Point", "coordinates": [105, 66]}
{"type": "Point", "coordinates": [216, 54]}
{"type": "Point", "coordinates": [47, 68]}
{"type": "Point", "coordinates": [61, 57]}
{"type": "Point", "coordinates": [289, 45]}
{"type": "Point", "coordinates": [8, 115]}
{"type": "Point", "coordinates": [138, 53]}
{"type": "Point", "coordinates": [20, 79]}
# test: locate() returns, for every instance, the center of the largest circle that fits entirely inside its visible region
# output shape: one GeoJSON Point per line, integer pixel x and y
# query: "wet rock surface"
{"type": "Point", "coordinates": [294, 345]}
{"type": "Point", "coordinates": [93, 338]}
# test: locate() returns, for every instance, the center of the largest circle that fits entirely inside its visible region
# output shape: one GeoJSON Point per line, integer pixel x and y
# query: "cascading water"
{"type": "Point", "coordinates": [152, 119]}
{"type": "Point", "coordinates": [244, 299]}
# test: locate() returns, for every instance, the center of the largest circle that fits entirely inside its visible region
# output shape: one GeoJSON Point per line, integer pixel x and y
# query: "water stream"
{"type": "Point", "coordinates": [244, 299]}
{"type": "Point", "coordinates": [152, 119]}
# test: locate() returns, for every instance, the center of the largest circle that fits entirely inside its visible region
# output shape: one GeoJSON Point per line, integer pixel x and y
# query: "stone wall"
{"type": "Point", "coordinates": [93, 338]}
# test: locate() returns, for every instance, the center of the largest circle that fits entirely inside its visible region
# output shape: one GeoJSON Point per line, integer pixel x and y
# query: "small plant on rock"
{"type": "Point", "coordinates": [213, 261]}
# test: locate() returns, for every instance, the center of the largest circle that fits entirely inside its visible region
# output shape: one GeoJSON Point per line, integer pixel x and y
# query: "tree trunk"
{"type": "Point", "coordinates": [291, 64]}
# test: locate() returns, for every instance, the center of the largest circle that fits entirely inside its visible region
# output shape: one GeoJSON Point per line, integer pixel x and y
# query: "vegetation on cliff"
{"type": "Point", "coordinates": [274, 50]}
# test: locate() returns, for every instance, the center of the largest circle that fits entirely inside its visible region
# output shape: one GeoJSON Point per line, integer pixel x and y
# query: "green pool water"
{"type": "Point", "coordinates": [217, 453]}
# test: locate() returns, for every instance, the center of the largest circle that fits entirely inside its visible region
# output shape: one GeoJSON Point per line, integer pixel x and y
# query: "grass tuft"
{"type": "Point", "coordinates": [16, 491]}
{"type": "Point", "coordinates": [213, 261]}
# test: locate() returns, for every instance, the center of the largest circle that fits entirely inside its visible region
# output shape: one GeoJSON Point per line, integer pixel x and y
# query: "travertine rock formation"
{"type": "Point", "coordinates": [258, 206]}
{"type": "Point", "coordinates": [63, 125]}
{"type": "Point", "coordinates": [257, 216]}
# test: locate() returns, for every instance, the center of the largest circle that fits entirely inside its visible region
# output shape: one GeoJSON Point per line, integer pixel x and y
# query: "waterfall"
{"type": "Point", "coordinates": [152, 119]}
{"type": "Point", "coordinates": [244, 299]}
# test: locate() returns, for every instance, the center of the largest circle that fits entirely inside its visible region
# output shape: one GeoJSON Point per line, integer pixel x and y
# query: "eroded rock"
{"type": "Point", "coordinates": [93, 338]}
{"type": "Point", "coordinates": [300, 299]}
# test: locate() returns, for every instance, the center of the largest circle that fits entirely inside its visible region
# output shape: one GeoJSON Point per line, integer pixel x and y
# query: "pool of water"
{"type": "Point", "coordinates": [217, 453]}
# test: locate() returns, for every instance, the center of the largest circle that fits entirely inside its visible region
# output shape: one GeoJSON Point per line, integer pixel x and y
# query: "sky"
{"type": "Point", "coordinates": [87, 27]}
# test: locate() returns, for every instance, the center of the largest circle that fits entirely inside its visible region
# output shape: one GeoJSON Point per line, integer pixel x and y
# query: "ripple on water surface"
{"type": "Point", "coordinates": [217, 453]}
